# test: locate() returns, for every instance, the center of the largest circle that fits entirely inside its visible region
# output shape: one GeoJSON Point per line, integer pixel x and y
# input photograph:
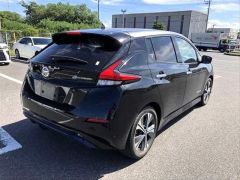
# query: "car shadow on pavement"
{"type": "Point", "coordinates": [21, 60]}
{"type": "Point", "coordinates": [46, 154]}
{"type": "Point", "coordinates": [49, 155]}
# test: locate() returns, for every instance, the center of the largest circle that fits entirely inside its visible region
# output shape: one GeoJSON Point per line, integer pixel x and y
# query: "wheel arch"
{"type": "Point", "coordinates": [157, 108]}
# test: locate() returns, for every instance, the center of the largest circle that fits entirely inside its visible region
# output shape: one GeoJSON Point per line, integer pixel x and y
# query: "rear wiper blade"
{"type": "Point", "coordinates": [67, 58]}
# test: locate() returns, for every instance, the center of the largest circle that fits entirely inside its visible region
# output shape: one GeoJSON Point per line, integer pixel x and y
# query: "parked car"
{"type": "Point", "coordinates": [4, 54]}
{"type": "Point", "coordinates": [27, 47]}
{"type": "Point", "coordinates": [115, 87]}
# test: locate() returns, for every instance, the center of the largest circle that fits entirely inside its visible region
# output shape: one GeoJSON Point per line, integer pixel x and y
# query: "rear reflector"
{"type": "Point", "coordinates": [112, 74]}
{"type": "Point", "coordinates": [96, 120]}
{"type": "Point", "coordinates": [73, 33]}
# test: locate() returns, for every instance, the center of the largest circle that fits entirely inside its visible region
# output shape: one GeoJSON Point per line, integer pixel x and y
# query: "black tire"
{"type": "Point", "coordinates": [17, 54]}
{"type": "Point", "coordinates": [140, 142]}
{"type": "Point", "coordinates": [222, 50]}
{"type": "Point", "coordinates": [7, 64]}
{"type": "Point", "coordinates": [207, 92]}
{"type": "Point", "coordinates": [204, 49]}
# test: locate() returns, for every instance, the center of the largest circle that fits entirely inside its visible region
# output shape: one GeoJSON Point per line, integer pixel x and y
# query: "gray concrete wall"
{"type": "Point", "coordinates": [175, 21]}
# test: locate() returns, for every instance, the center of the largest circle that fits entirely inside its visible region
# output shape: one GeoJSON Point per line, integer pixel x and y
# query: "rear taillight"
{"type": "Point", "coordinates": [111, 76]}
{"type": "Point", "coordinates": [97, 120]}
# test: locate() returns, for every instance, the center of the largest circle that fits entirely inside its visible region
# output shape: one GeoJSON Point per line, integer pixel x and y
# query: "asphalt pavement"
{"type": "Point", "coordinates": [203, 143]}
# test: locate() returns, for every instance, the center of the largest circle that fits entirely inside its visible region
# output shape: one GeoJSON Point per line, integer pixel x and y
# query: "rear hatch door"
{"type": "Point", "coordinates": [69, 67]}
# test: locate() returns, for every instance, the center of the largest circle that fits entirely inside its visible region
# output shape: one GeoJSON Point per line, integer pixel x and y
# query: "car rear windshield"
{"type": "Point", "coordinates": [94, 50]}
{"type": "Point", "coordinates": [41, 41]}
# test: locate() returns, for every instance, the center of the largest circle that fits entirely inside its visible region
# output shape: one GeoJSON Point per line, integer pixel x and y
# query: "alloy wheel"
{"type": "Point", "coordinates": [145, 132]}
{"type": "Point", "coordinates": [207, 91]}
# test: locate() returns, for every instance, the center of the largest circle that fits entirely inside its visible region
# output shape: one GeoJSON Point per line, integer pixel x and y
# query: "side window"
{"type": "Point", "coordinates": [28, 40]}
{"type": "Point", "coordinates": [135, 62]}
{"type": "Point", "coordinates": [137, 56]}
{"type": "Point", "coordinates": [151, 55]}
{"type": "Point", "coordinates": [186, 51]}
{"type": "Point", "coordinates": [137, 45]}
{"type": "Point", "coordinates": [23, 41]}
{"type": "Point", "coordinates": [164, 49]}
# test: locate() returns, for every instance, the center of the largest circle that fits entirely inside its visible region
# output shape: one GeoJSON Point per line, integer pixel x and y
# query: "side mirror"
{"type": "Point", "coordinates": [206, 59]}
{"type": "Point", "coordinates": [30, 44]}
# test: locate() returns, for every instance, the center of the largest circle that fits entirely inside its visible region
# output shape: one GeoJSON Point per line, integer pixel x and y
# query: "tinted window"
{"type": "Point", "coordinates": [164, 49]}
{"type": "Point", "coordinates": [135, 63]}
{"type": "Point", "coordinates": [186, 51]}
{"type": "Point", "coordinates": [137, 56]}
{"type": "Point", "coordinates": [23, 41]}
{"type": "Point", "coordinates": [151, 55]}
{"type": "Point", "coordinates": [41, 41]}
{"type": "Point", "coordinates": [137, 45]}
{"type": "Point", "coordinates": [96, 50]}
{"type": "Point", "coordinates": [28, 40]}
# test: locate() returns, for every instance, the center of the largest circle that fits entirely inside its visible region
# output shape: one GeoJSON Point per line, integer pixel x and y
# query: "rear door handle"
{"type": "Point", "coordinates": [161, 76]}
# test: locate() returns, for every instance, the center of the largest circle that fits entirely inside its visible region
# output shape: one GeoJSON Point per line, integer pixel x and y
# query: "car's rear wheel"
{"type": "Point", "coordinates": [207, 92]}
{"type": "Point", "coordinates": [142, 135]}
{"type": "Point", "coordinates": [17, 54]}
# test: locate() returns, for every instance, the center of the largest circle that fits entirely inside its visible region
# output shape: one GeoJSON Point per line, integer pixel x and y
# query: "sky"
{"type": "Point", "coordinates": [224, 13]}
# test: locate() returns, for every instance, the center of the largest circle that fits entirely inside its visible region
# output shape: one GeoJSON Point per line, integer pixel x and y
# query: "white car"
{"type": "Point", "coordinates": [27, 47]}
{"type": "Point", "coordinates": [4, 54]}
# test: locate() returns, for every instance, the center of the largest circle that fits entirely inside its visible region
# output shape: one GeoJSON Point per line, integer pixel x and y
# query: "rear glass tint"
{"type": "Point", "coordinates": [96, 50]}
{"type": "Point", "coordinates": [41, 41]}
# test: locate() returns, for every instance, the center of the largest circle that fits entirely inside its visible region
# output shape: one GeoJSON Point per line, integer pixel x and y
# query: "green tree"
{"type": "Point", "coordinates": [158, 25]}
{"type": "Point", "coordinates": [80, 14]}
{"type": "Point", "coordinates": [11, 16]}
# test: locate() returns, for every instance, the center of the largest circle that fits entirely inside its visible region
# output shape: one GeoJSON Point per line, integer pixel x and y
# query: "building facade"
{"type": "Point", "coordinates": [184, 22]}
{"type": "Point", "coordinates": [232, 33]}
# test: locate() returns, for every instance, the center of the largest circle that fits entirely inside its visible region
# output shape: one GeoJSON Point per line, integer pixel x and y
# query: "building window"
{"type": "Point", "coordinates": [182, 21]}
{"type": "Point", "coordinates": [124, 25]}
{"type": "Point", "coordinates": [134, 22]}
{"type": "Point", "coordinates": [144, 23]}
{"type": "Point", "coordinates": [115, 22]}
{"type": "Point", "coordinates": [169, 23]}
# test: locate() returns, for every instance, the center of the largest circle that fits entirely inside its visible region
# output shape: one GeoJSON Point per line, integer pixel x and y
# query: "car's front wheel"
{"type": "Point", "coordinates": [207, 92]}
{"type": "Point", "coordinates": [142, 135]}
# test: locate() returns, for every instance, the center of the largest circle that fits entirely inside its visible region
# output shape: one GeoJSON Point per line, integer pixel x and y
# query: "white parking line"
{"type": "Point", "coordinates": [217, 76]}
{"type": "Point", "coordinates": [10, 78]}
{"type": "Point", "coordinates": [9, 143]}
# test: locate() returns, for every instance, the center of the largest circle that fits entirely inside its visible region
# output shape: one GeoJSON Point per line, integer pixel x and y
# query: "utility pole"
{"type": "Point", "coordinates": [98, 2]}
{"type": "Point", "coordinates": [0, 23]}
{"type": "Point", "coordinates": [208, 2]}
{"type": "Point", "coordinates": [123, 11]}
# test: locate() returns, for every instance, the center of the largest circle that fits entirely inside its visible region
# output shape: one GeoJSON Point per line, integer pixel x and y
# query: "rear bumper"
{"type": "Point", "coordinates": [73, 120]}
{"type": "Point", "coordinates": [83, 138]}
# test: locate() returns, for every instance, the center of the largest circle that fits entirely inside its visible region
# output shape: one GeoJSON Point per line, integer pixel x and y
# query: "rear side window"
{"type": "Point", "coordinates": [96, 50]}
{"type": "Point", "coordinates": [41, 41]}
{"type": "Point", "coordinates": [151, 55]}
{"type": "Point", "coordinates": [28, 41]}
{"type": "Point", "coordinates": [164, 49]}
{"type": "Point", "coordinates": [137, 56]}
{"type": "Point", "coordinates": [23, 41]}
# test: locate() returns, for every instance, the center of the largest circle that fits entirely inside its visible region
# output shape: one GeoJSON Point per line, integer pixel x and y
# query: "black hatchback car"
{"type": "Point", "coordinates": [115, 87]}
